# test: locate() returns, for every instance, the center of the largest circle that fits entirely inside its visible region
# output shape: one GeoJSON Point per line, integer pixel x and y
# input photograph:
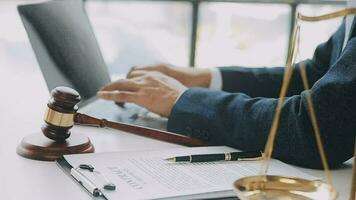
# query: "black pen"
{"type": "Point", "coordinates": [229, 156]}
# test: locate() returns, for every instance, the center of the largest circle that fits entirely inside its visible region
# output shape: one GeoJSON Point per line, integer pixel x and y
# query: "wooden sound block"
{"type": "Point", "coordinates": [38, 147]}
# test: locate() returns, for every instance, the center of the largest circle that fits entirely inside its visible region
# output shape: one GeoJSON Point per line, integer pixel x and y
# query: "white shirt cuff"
{"type": "Point", "coordinates": [180, 96]}
{"type": "Point", "coordinates": [215, 83]}
{"type": "Point", "coordinates": [216, 79]}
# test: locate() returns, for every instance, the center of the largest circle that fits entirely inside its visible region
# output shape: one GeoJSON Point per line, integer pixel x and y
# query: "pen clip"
{"type": "Point", "coordinates": [252, 159]}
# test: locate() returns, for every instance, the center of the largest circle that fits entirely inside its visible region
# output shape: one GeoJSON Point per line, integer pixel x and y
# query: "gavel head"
{"type": "Point", "coordinates": [59, 117]}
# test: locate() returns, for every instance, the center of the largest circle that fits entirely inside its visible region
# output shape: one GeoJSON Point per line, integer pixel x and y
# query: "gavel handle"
{"type": "Point", "coordinates": [82, 119]}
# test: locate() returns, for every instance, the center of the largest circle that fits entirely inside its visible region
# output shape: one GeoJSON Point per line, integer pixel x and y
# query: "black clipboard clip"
{"type": "Point", "coordinates": [107, 184]}
{"type": "Point", "coordinates": [78, 175]}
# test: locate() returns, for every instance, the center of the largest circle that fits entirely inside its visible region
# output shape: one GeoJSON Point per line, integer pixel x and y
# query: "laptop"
{"type": "Point", "coordinates": [69, 55]}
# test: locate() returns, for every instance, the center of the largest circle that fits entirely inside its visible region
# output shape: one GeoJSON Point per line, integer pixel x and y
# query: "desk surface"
{"type": "Point", "coordinates": [21, 111]}
{"type": "Point", "coordinates": [22, 103]}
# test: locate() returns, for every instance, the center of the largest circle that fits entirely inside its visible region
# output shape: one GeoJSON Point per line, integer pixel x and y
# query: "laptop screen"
{"type": "Point", "coordinates": [65, 46]}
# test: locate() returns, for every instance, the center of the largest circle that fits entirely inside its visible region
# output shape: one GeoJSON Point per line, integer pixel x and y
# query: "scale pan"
{"type": "Point", "coordinates": [268, 187]}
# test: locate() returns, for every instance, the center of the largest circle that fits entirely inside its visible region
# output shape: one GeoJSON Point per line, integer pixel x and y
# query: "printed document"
{"type": "Point", "coordinates": [146, 175]}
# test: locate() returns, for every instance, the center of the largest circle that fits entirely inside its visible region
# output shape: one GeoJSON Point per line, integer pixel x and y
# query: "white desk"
{"type": "Point", "coordinates": [22, 103]}
{"type": "Point", "coordinates": [21, 113]}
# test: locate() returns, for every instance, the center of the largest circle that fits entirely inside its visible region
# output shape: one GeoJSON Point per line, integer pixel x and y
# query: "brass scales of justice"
{"type": "Point", "coordinates": [267, 187]}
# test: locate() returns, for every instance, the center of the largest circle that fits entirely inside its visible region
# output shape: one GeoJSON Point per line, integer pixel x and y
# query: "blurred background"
{"type": "Point", "coordinates": [186, 33]}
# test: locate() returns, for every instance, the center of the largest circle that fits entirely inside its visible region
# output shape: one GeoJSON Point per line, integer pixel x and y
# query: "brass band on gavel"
{"type": "Point", "coordinates": [59, 119]}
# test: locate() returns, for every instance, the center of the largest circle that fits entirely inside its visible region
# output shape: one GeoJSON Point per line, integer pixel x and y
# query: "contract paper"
{"type": "Point", "coordinates": [146, 175]}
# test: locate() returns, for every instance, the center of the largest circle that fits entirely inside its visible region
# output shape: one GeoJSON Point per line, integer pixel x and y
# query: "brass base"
{"type": "Point", "coordinates": [282, 188]}
{"type": "Point", "coordinates": [38, 147]}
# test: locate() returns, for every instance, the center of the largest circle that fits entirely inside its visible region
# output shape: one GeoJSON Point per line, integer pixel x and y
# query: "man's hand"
{"type": "Point", "coordinates": [153, 90]}
{"type": "Point", "coordinates": [187, 76]}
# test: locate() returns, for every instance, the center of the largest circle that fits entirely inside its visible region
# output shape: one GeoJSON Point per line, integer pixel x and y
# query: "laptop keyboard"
{"type": "Point", "coordinates": [130, 113]}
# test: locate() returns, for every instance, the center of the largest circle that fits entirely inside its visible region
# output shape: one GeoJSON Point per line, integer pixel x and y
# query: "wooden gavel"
{"type": "Point", "coordinates": [62, 114]}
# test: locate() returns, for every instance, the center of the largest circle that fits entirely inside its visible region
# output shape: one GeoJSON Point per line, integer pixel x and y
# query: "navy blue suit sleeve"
{"type": "Point", "coordinates": [243, 122]}
{"type": "Point", "coordinates": [266, 82]}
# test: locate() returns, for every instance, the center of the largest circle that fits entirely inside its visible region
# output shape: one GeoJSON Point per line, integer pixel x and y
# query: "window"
{"type": "Point", "coordinates": [243, 34]}
{"type": "Point", "coordinates": [312, 34]}
{"type": "Point", "coordinates": [132, 32]}
{"type": "Point", "coordinates": [141, 33]}
{"type": "Point", "coordinates": [15, 49]}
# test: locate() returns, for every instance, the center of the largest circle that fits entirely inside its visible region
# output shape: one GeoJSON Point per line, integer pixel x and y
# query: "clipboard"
{"type": "Point", "coordinates": [146, 174]}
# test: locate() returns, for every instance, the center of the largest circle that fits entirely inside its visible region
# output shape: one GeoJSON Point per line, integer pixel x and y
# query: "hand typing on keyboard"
{"type": "Point", "coordinates": [153, 90]}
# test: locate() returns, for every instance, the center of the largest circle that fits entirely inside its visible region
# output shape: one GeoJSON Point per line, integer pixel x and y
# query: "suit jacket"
{"type": "Point", "coordinates": [241, 115]}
